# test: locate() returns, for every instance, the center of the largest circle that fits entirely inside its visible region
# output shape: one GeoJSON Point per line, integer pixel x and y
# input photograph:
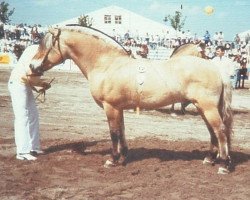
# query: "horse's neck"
{"type": "Point", "coordinates": [89, 52]}
{"type": "Point", "coordinates": [88, 61]}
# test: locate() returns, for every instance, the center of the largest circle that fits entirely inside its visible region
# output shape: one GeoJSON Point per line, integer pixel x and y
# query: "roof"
{"type": "Point", "coordinates": [244, 34]}
{"type": "Point", "coordinates": [132, 22]}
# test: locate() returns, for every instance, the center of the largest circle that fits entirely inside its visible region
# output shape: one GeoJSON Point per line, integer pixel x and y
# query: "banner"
{"type": "Point", "coordinates": [4, 59]}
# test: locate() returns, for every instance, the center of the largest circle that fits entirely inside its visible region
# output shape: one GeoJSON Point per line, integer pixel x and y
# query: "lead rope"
{"type": "Point", "coordinates": [41, 92]}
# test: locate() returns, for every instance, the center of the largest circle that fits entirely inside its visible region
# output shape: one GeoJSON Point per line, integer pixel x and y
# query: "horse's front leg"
{"type": "Point", "coordinates": [117, 129]}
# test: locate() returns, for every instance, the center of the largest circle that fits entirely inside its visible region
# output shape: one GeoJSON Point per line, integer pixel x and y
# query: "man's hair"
{"type": "Point", "coordinates": [222, 48]}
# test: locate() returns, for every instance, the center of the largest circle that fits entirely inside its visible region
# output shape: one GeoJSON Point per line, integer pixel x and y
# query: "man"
{"type": "Point", "coordinates": [26, 123]}
{"type": "Point", "coordinates": [207, 38]}
{"type": "Point", "coordinates": [225, 64]}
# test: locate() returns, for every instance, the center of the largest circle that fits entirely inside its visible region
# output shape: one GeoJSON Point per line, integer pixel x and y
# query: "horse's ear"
{"type": "Point", "coordinates": [202, 46]}
{"type": "Point", "coordinates": [54, 31]}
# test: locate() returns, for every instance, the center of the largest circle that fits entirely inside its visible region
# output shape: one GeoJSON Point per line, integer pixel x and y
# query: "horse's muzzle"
{"type": "Point", "coordinates": [36, 70]}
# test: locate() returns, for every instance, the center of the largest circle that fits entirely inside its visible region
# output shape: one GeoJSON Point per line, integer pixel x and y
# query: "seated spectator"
{"type": "Point", "coordinates": [143, 51]}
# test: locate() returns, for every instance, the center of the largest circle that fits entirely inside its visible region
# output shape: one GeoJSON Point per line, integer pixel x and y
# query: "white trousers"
{"type": "Point", "coordinates": [26, 123]}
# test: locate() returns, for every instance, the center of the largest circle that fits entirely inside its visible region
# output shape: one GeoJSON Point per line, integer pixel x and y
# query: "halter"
{"type": "Point", "coordinates": [54, 39]}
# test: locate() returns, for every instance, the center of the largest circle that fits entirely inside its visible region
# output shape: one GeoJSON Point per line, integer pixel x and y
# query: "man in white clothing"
{"type": "Point", "coordinates": [26, 123]}
{"type": "Point", "coordinates": [225, 64]}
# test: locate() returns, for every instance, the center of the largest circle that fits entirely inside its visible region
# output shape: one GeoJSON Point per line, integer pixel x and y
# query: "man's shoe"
{"type": "Point", "coordinates": [25, 156]}
{"type": "Point", "coordinates": [37, 152]}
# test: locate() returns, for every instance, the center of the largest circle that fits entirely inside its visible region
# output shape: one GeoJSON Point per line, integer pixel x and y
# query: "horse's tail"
{"type": "Point", "coordinates": [226, 110]}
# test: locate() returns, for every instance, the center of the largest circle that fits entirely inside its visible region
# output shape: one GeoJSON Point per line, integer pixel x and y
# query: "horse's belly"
{"type": "Point", "coordinates": [156, 101]}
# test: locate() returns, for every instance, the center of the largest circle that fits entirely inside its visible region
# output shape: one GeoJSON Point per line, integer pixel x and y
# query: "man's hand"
{"type": "Point", "coordinates": [46, 86]}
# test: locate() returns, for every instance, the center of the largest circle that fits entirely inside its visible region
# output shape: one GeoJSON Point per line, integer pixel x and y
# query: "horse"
{"type": "Point", "coordinates": [118, 82]}
{"type": "Point", "coordinates": [193, 50]}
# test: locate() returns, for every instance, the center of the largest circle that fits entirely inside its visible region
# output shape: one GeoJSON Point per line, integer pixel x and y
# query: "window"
{"type": "Point", "coordinates": [118, 19]}
{"type": "Point", "coordinates": [107, 19]}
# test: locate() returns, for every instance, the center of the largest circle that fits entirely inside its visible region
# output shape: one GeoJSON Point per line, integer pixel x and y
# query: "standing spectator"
{"type": "Point", "coordinates": [247, 38]}
{"type": "Point", "coordinates": [114, 35]}
{"type": "Point", "coordinates": [237, 41]}
{"type": "Point", "coordinates": [35, 36]}
{"type": "Point", "coordinates": [215, 38]}
{"type": "Point", "coordinates": [147, 38]}
{"type": "Point", "coordinates": [243, 70]}
{"type": "Point", "coordinates": [220, 38]}
{"type": "Point", "coordinates": [237, 68]}
{"type": "Point", "coordinates": [207, 38]}
{"type": "Point", "coordinates": [126, 35]}
{"type": "Point", "coordinates": [225, 64]}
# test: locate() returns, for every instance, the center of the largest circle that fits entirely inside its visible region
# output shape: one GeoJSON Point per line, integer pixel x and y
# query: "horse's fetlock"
{"type": "Point", "coordinates": [116, 157]}
{"type": "Point", "coordinates": [124, 151]}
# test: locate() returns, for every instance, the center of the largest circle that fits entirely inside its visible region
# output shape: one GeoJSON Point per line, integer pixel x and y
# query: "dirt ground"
{"type": "Point", "coordinates": [165, 151]}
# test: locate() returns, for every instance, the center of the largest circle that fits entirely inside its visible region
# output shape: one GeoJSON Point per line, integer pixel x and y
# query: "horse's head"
{"type": "Point", "coordinates": [50, 52]}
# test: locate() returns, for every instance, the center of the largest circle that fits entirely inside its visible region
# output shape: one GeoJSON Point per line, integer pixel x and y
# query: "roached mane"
{"type": "Point", "coordinates": [94, 32]}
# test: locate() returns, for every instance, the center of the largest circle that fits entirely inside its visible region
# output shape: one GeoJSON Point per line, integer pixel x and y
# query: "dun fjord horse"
{"type": "Point", "coordinates": [118, 82]}
{"type": "Point", "coordinates": [192, 50]}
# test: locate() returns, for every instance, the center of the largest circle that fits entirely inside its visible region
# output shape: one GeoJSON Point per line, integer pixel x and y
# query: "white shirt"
{"type": "Point", "coordinates": [22, 71]}
{"type": "Point", "coordinates": [225, 66]}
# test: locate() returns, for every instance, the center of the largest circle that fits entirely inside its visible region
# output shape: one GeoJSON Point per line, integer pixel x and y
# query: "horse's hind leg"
{"type": "Point", "coordinates": [212, 117]}
{"type": "Point", "coordinates": [213, 150]}
{"type": "Point", "coordinates": [117, 129]}
{"type": "Point", "coordinates": [212, 154]}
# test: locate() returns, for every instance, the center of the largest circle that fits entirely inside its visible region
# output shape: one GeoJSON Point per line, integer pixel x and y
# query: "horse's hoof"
{"type": "Point", "coordinates": [208, 161]}
{"type": "Point", "coordinates": [109, 164]}
{"type": "Point", "coordinates": [223, 170]}
{"type": "Point", "coordinates": [123, 161]}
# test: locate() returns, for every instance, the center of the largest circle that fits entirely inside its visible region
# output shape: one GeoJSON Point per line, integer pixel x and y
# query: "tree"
{"type": "Point", "coordinates": [84, 20]}
{"type": "Point", "coordinates": [5, 13]}
{"type": "Point", "coordinates": [176, 20]}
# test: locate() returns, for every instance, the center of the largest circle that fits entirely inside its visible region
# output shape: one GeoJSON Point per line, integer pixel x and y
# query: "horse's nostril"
{"type": "Point", "coordinates": [32, 67]}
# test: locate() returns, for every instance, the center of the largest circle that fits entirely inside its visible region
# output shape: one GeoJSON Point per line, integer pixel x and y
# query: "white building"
{"type": "Point", "coordinates": [116, 20]}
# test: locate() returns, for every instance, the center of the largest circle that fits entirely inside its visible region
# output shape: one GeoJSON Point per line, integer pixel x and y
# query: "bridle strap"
{"type": "Point", "coordinates": [54, 39]}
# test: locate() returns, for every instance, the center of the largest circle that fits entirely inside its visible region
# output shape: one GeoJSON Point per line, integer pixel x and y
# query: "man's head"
{"type": "Point", "coordinates": [220, 51]}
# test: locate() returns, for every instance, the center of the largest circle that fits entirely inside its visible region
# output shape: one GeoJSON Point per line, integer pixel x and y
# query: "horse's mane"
{"type": "Point", "coordinates": [99, 31]}
{"type": "Point", "coordinates": [178, 48]}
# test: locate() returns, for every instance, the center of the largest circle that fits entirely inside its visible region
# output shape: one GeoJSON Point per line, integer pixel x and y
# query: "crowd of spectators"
{"type": "Point", "coordinates": [15, 38]}
{"type": "Point", "coordinates": [237, 46]}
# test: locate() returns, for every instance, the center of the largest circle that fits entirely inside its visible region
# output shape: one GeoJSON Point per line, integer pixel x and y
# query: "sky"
{"type": "Point", "coordinates": [229, 16]}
